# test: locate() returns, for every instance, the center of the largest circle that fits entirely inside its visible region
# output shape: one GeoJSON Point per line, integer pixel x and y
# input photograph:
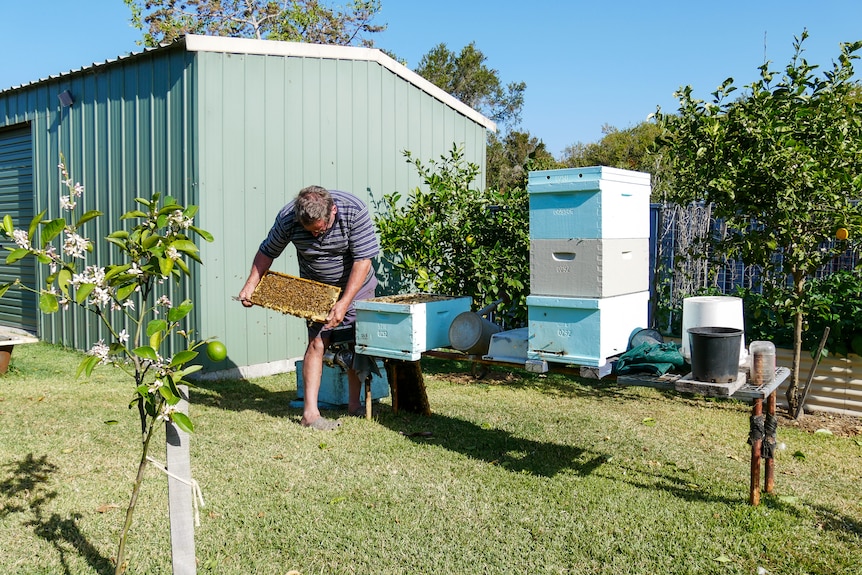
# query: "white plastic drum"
{"type": "Point", "coordinates": [712, 311]}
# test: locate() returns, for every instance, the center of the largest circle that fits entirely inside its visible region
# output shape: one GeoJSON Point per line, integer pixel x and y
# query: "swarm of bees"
{"type": "Point", "coordinates": [296, 296]}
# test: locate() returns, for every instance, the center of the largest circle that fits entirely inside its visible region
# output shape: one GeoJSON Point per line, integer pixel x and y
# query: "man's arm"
{"type": "Point", "coordinates": [259, 266]}
{"type": "Point", "coordinates": [355, 281]}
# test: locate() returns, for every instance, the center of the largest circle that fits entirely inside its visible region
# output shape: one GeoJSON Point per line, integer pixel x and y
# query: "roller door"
{"type": "Point", "coordinates": [18, 307]}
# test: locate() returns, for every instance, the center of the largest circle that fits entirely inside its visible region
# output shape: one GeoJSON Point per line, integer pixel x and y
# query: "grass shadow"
{"type": "Point", "coordinates": [494, 446]}
{"type": "Point", "coordinates": [24, 490]}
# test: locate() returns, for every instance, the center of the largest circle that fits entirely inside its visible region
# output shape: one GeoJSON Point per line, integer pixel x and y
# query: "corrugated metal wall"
{"type": "Point", "coordinates": [126, 135]}
{"type": "Point", "coordinates": [270, 125]}
{"type": "Point", "coordinates": [837, 383]}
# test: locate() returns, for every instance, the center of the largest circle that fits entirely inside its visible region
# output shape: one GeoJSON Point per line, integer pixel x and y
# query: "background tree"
{"type": "Point", "coordinates": [295, 20]}
{"type": "Point", "coordinates": [628, 149]}
{"type": "Point", "coordinates": [511, 158]}
{"type": "Point", "coordinates": [782, 166]}
{"type": "Point", "coordinates": [466, 77]}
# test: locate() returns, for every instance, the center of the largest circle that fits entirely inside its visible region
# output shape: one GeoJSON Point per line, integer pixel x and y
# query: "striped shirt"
{"type": "Point", "coordinates": [329, 257]}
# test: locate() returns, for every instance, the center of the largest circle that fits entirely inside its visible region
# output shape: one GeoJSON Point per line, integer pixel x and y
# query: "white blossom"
{"type": "Point", "coordinates": [123, 336]}
{"type": "Point", "coordinates": [21, 238]}
{"type": "Point", "coordinates": [165, 301]}
{"type": "Point", "coordinates": [172, 253]}
{"type": "Point", "coordinates": [77, 190]}
{"type": "Point", "coordinates": [74, 244]}
{"type": "Point", "coordinates": [100, 296]}
{"type": "Point", "coordinates": [178, 221]}
{"type": "Point", "coordinates": [154, 387]}
{"type": "Point", "coordinates": [135, 270]}
{"type": "Point", "coordinates": [67, 203]}
{"type": "Point", "coordinates": [129, 304]}
{"type": "Point", "coordinates": [101, 351]}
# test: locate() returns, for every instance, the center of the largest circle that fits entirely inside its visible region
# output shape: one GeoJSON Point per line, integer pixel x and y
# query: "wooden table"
{"type": "Point", "coordinates": [762, 428]}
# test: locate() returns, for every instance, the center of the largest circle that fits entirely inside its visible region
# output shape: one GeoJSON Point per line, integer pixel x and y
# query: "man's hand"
{"type": "Point", "coordinates": [245, 297]}
{"type": "Point", "coordinates": [337, 313]}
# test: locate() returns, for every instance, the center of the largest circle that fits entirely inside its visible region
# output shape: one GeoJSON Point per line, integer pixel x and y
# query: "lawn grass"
{"type": "Point", "coordinates": [517, 473]}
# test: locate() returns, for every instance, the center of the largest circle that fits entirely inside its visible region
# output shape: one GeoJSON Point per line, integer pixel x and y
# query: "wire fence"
{"type": "Point", "coordinates": [680, 271]}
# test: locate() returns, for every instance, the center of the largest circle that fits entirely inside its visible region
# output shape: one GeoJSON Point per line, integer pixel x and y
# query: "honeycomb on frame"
{"type": "Point", "coordinates": [296, 296]}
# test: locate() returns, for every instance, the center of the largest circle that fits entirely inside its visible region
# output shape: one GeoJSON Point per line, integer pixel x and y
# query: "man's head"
{"type": "Point", "coordinates": [315, 209]}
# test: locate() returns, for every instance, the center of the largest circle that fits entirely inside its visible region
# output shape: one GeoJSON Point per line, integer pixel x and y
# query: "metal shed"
{"type": "Point", "coordinates": [237, 127]}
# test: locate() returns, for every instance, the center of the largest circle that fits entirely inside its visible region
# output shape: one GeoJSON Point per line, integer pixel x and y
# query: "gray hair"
{"type": "Point", "coordinates": [313, 204]}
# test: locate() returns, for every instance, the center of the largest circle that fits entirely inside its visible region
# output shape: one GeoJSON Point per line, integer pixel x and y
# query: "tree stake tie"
{"type": "Point", "coordinates": [196, 488]}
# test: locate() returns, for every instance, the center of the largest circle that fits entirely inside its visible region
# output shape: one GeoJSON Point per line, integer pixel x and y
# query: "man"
{"type": "Point", "coordinates": [335, 243]}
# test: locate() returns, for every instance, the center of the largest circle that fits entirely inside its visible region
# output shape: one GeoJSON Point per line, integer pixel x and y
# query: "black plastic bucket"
{"type": "Point", "coordinates": [714, 353]}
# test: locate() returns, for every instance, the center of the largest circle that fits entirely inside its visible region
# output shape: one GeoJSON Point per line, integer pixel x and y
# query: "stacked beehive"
{"type": "Point", "coordinates": [589, 263]}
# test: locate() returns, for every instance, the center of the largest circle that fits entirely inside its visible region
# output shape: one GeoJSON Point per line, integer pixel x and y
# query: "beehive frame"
{"type": "Point", "coordinates": [295, 296]}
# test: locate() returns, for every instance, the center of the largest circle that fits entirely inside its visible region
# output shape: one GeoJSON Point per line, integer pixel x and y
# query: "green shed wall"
{"type": "Point", "coordinates": [127, 134]}
{"type": "Point", "coordinates": [270, 125]}
{"type": "Point", "coordinates": [238, 134]}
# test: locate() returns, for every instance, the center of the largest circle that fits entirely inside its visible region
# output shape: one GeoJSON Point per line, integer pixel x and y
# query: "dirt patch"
{"type": "Point", "coordinates": [839, 425]}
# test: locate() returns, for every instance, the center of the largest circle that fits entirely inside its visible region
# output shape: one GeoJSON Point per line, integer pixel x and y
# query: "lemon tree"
{"type": "Point", "coordinates": [156, 248]}
{"type": "Point", "coordinates": [781, 165]}
{"type": "Point", "coordinates": [455, 239]}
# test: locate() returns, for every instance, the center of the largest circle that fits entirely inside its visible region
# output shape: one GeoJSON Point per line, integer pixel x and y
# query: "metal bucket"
{"type": "Point", "coordinates": [471, 333]}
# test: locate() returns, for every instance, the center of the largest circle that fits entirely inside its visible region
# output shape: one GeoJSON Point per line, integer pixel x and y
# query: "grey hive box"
{"type": "Point", "coordinates": [589, 267]}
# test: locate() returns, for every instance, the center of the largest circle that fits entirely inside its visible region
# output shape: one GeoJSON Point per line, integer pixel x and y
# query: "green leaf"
{"type": "Point", "coordinates": [87, 217]}
{"type": "Point", "coordinates": [202, 233]}
{"type": "Point", "coordinates": [156, 326]}
{"type": "Point", "coordinates": [51, 230]}
{"type": "Point", "coordinates": [182, 421]}
{"type": "Point", "coordinates": [133, 214]}
{"type": "Point", "coordinates": [146, 352]}
{"type": "Point", "coordinates": [16, 255]}
{"type": "Point", "coordinates": [64, 278]}
{"type": "Point", "coordinates": [183, 357]}
{"type": "Point", "coordinates": [83, 292]}
{"type": "Point", "coordinates": [114, 271]}
{"type": "Point", "coordinates": [48, 303]}
{"type": "Point", "coordinates": [188, 370]}
{"type": "Point", "coordinates": [166, 392]}
{"type": "Point", "coordinates": [8, 225]}
{"type": "Point", "coordinates": [177, 313]}
{"type": "Point", "coordinates": [34, 224]}
{"type": "Point", "coordinates": [87, 365]}
{"type": "Point", "coordinates": [5, 287]}
{"type": "Point", "coordinates": [185, 246]}
{"type": "Point", "coordinates": [122, 244]}
{"type": "Point", "coordinates": [150, 241]}
{"type": "Point", "coordinates": [125, 291]}
{"type": "Point", "coordinates": [166, 265]}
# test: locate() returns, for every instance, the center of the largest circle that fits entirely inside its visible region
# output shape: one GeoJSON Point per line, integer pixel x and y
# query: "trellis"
{"type": "Point", "coordinates": [680, 271]}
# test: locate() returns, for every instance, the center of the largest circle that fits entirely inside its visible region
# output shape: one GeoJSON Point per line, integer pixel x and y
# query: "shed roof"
{"type": "Point", "coordinates": [220, 44]}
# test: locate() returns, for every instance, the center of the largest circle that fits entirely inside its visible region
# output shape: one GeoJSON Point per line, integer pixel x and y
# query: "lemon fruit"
{"type": "Point", "coordinates": [216, 351]}
{"type": "Point", "coordinates": [842, 234]}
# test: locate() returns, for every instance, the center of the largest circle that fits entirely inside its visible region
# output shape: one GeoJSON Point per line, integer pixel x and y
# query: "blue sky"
{"type": "Point", "coordinates": [586, 64]}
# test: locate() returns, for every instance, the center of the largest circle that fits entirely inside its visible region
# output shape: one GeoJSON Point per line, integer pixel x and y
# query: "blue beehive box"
{"type": "Point", "coordinates": [594, 203]}
{"type": "Point", "coordinates": [406, 325]}
{"type": "Point", "coordinates": [334, 386]}
{"type": "Point", "coordinates": [583, 331]}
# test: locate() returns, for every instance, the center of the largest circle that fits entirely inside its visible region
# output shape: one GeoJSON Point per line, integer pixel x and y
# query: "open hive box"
{"type": "Point", "coordinates": [297, 296]}
{"type": "Point", "coordinates": [406, 325]}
